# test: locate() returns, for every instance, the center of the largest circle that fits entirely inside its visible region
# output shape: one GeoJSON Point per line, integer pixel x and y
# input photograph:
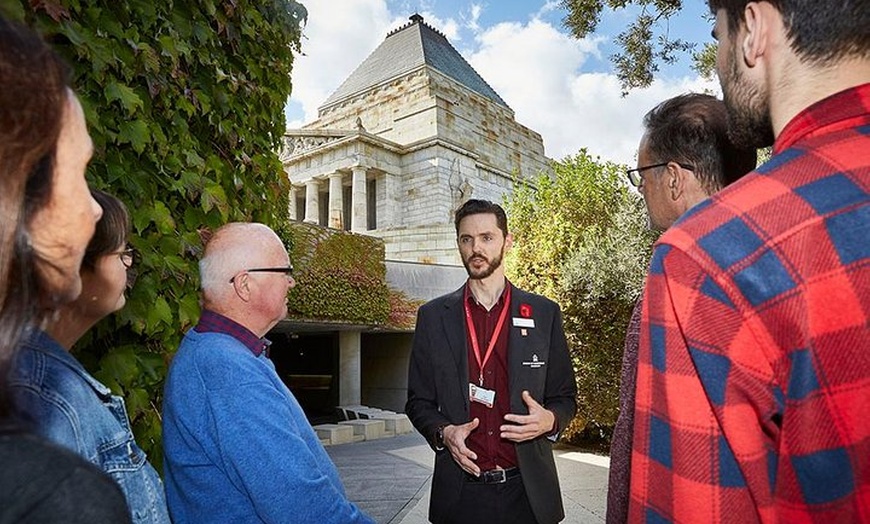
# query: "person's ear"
{"type": "Point", "coordinates": [676, 180]}
{"type": "Point", "coordinates": [757, 21]}
{"type": "Point", "coordinates": [508, 241]}
{"type": "Point", "coordinates": [242, 286]}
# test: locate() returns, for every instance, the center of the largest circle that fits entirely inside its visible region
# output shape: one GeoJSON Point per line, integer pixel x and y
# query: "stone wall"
{"type": "Point", "coordinates": [401, 110]}
{"type": "Point", "coordinates": [425, 244]}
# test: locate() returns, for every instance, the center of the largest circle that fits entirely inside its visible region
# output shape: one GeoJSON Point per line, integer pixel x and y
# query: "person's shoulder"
{"type": "Point", "coordinates": [521, 296]}
{"type": "Point", "coordinates": [439, 303]}
{"type": "Point", "coordinates": [215, 360]}
{"type": "Point", "coordinates": [42, 365]}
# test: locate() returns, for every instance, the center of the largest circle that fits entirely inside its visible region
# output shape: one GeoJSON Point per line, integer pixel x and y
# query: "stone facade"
{"type": "Point", "coordinates": [412, 134]}
{"type": "Point", "coordinates": [409, 150]}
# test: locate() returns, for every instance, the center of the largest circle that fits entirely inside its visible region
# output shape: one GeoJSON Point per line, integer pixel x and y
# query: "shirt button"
{"type": "Point", "coordinates": [489, 433]}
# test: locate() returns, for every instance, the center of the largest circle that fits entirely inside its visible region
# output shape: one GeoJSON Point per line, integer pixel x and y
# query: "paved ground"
{"type": "Point", "coordinates": [389, 480]}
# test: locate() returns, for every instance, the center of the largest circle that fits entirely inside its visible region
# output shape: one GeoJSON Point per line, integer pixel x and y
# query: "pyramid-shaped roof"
{"type": "Point", "coordinates": [405, 49]}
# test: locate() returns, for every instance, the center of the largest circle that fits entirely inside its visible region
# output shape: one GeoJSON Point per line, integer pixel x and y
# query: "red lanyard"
{"type": "Point", "coordinates": [498, 327]}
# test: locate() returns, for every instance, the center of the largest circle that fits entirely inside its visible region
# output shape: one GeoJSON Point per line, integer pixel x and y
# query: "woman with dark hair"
{"type": "Point", "coordinates": [59, 400]}
{"type": "Point", "coordinates": [47, 217]}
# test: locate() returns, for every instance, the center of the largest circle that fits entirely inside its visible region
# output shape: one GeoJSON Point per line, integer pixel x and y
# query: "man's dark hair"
{"type": "Point", "coordinates": [693, 129]}
{"type": "Point", "coordinates": [477, 207]}
{"type": "Point", "coordinates": [819, 30]}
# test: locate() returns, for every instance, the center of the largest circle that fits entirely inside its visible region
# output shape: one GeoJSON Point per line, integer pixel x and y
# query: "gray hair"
{"type": "Point", "coordinates": [233, 248]}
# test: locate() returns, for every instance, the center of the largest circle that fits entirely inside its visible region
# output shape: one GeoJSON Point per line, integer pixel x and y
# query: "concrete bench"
{"type": "Point", "coordinates": [370, 429]}
{"type": "Point", "coordinates": [334, 433]}
{"type": "Point", "coordinates": [397, 423]}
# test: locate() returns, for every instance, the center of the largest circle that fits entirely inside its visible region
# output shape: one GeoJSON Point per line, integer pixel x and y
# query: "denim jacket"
{"type": "Point", "coordinates": [54, 395]}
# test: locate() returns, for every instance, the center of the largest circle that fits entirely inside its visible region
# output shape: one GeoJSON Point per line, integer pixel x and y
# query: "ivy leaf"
{"type": "Point", "coordinates": [119, 366]}
{"type": "Point", "coordinates": [128, 98]}
{"type": "Point", "coordinates": [188, 310]}
{"type": "Point", "coordinates": [213, 195]}
{"type": "Point", "coordinates": [135, 133]}
{"type": "Point", "coordinates": [162, 218]}
{"type": "Point", "coordinates": [137, 401]}
{"type": "Point", "coordinates": [160, 313]}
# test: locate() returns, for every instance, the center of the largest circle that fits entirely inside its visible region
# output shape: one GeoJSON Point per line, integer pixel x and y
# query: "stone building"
{"type": "Point", "coordinates": [412, 133]}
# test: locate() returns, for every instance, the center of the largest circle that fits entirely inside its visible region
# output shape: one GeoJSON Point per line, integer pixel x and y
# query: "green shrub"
{"type": "Point", "coordinates": [581, 239]}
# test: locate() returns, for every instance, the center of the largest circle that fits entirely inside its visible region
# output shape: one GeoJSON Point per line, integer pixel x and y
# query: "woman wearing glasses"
{"type": "Point", "coordinates": [58, 399]}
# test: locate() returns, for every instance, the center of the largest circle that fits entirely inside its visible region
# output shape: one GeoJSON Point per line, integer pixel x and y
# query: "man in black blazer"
{"type": "Point", "coordinates": [490, 385]}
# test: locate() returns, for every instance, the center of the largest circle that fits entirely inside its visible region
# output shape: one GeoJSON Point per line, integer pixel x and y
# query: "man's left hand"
{"type": "Point", "coordinates": [526, 427]}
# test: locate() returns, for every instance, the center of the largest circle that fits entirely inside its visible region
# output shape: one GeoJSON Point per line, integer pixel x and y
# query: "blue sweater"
{"type": "Point", "coordinates": [238, 447]}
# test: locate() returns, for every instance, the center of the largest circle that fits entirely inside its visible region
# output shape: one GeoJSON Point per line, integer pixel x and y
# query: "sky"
{"type": "Point", "coordinates": [561, 87]}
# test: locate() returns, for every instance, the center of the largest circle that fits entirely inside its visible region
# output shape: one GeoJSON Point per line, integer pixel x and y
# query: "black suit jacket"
{"type": "Point", "coordinates": [438, 392]}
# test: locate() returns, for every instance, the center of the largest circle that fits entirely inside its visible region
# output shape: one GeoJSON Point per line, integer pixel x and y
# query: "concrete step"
{"type": "Point", "coordinates": [334, 433]}
{"type": "Point", "coordinates": [369, 429]}
{"type": "Point", "coordinates": [398, 423]}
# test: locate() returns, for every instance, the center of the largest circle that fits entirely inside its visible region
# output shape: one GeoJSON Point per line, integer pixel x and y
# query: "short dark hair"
{"type": "Point", "coordinates": [477, 207]}
{"type": "Point", "coordinates": [111, 231]}
{"type": "Point", "coordinates": [693, 128]}
{"type": "Point", "coordinates": [818, 30]}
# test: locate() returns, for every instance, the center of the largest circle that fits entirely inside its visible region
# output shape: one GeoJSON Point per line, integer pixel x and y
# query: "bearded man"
{"type": "Point", "coordinates": [490, 385]}
{"type": "Point", "coordinates": [754, 360]}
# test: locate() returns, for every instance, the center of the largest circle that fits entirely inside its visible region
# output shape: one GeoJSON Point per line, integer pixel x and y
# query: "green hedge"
{"type": "Point", "coordinates": [340, 276]}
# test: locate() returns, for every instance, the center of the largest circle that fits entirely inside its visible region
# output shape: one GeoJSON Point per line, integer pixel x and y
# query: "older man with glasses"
{"type": "Point", "coordinates": [238, 446]}
{"type": "Point", "coordinates": [684, 157]}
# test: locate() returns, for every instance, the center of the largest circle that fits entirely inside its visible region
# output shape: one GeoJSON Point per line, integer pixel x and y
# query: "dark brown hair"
{"type": "Point", "coordinates": [819, 31]}
{"type": "Point", "coordinates": [111, 231]}
{"type": "Point", "coordinates": [477, 207]}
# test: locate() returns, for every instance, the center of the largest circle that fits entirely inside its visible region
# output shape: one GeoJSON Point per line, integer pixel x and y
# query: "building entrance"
{"type": "Point", "coordinates": [308, 365]}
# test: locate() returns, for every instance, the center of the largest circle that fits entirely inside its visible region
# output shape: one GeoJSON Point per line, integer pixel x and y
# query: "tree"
{"type": "Point", "coordinates": [185, 104]}
{"type": "Point", "coordinates": [581, 239]}
{"type": "Point", "coordinates": [644, 44]}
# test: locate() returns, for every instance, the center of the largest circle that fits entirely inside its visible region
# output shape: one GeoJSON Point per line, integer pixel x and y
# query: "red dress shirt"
{"type": "Point", "coordinates": [491, 449]}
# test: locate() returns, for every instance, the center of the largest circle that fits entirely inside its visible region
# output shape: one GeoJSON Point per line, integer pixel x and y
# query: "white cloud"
{"type": "Point", "coordinates": [537, 69]}
{"type": "Point", "coordinates": [340, 34]}
{"type": "Point", "coordinates": [473, 17]}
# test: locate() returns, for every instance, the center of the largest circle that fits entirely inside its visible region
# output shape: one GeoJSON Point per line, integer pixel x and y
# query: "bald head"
{"type": "Point", "coordinates": [233, 248]}
{"type": "Point", "coordinates": [257, 300]}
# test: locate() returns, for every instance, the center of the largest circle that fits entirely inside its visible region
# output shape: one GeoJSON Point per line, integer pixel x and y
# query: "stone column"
{"type": "Point", "coordinates": [349, 348]}
{"type": "Point", "coordinates": [359, 204]}
{"type": "Point", "coordinates": [335, 201]}
{"type": "Point", "coordinates": [291, 205]}
{"type": "Point", "coordinates": [312, 200]}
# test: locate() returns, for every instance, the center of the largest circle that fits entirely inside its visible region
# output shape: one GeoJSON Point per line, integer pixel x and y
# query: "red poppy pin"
{"type": "Point", "coordinates": [525, 311]}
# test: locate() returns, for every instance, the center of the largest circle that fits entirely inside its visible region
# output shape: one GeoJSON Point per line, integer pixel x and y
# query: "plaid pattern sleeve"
{"type": "Point", "coordinates": [754, 361]}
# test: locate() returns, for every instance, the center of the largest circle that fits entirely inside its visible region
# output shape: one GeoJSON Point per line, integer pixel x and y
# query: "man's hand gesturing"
{"type": "Point", "coordinates": [526, 427]}
{"type": "Point", "coordinates": [454, 441]}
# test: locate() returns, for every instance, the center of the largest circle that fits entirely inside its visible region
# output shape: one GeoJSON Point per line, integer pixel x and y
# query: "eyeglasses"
{"type": "Point", "coordinates": [636, 179]}
{"type": "Point", "coordinates": [288, 270]}
{"type": "Point", "coordinates": [127, 256]}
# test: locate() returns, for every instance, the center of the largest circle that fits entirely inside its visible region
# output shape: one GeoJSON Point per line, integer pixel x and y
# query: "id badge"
{"type": "Point", "coordinates": [481, 395]}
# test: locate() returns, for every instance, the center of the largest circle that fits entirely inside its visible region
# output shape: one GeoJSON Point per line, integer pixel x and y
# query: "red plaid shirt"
{"type": "Point", "coordinates": [753, 383]}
